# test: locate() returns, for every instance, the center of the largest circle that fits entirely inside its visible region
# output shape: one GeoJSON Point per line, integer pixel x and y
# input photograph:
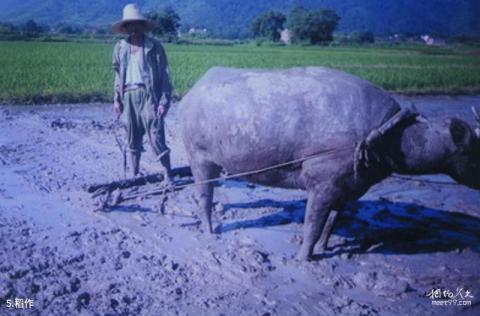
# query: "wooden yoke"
{"type": "Point", "coordinates": [364, 153]}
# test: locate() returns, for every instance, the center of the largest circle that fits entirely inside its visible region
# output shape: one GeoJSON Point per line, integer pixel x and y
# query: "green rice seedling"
{"type": "Point", "coordinates": [43, 72]}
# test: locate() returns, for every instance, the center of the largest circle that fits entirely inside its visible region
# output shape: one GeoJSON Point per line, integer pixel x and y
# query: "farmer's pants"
{"type": "Point", "coordinates": [140, 117]}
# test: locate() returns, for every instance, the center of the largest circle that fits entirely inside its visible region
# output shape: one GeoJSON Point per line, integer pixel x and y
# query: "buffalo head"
{"type": "Point", "coordinates": [464, 163]}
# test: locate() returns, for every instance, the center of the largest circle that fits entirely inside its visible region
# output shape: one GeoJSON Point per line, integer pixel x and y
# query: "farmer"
{"type": "Point", "coordinates": [142, 87]}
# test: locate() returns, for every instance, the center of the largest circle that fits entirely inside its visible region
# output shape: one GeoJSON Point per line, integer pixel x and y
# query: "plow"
{"type": "Point", "coordinates": [108, 195]}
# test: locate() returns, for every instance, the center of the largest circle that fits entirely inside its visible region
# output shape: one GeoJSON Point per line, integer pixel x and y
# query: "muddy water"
{"type": "Point", "coordinates": [443, 106]}
{"type": "Point", "coordinates": [400, 241]}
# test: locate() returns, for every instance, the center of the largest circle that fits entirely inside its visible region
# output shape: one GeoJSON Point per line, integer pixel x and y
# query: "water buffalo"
{"type": "Point", "coordinates": [241, 120]}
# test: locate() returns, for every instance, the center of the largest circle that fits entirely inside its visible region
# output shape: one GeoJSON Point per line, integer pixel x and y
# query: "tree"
{"type": "Point", "coordinates": [269, 25]}
{"type": "Point", "coordinates": [64, 28]}
{"type": "Point", "coordinates": [167, 23]}
{"type": "Point", "coordinates": [7, 28]}
{"type": "Point", "coordinates": [314, 26]}
{"type": "Point", "coordinates": [362, 37]}
{"type": "Point", "coordinates": [31, 29]}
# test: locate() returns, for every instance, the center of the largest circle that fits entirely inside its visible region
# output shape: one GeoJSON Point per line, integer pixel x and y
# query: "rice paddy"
{"type": "Point", "coordinates": [48, 72]}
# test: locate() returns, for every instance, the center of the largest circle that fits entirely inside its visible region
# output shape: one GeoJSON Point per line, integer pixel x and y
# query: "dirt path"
{"type": "Point", "coordinates": [399, 242]}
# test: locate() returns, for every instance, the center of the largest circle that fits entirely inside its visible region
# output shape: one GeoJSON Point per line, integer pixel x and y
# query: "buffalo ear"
{"type": "Point", "coordinates": [462, 133]}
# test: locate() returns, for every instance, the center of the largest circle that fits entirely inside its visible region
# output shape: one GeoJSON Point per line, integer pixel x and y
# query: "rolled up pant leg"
{"type": "Point", "coordinates": [132, 103]}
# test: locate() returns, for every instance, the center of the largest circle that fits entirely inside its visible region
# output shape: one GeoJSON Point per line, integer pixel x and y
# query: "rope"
{"type": "Point", "coordinates": [172, 188]}
{"type": "Point", "coordinates": [280, 165]}
{"type": "Point", "coordinates": [257, 171]}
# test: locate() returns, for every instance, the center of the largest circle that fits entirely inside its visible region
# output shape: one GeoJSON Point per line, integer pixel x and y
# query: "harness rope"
{"type": "Point", "coordinates": [280, 165]}
{"type": "Point", "coordinates": [171, 188]}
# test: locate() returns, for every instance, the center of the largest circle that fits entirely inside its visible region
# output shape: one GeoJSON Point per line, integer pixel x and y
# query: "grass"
{"type": "Point", "coordinates": [45, 72]}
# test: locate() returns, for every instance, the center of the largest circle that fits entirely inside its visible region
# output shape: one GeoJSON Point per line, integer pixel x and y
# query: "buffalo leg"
{"type": "Point", "coordinates": [202, 173]}
{"type": "Point", "coordinates": [317, 211]}
{"type": "Point", "coordinates": [327, 230]}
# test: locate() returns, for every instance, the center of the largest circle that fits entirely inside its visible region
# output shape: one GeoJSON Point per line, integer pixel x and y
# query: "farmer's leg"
{"type": "Point", "coordinates": [132, 105]}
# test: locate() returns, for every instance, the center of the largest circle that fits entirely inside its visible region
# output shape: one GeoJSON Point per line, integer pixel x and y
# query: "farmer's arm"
{"type": "Point", "coordinates": [165, 80]}
{"type": "Point", "coordinates": [117, 98]}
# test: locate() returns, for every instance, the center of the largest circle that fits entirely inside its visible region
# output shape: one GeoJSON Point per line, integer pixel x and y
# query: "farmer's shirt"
{"type": "Point", "coordinates": [156, 73]}
{"type": "Point", "coordinates": [137, 69]}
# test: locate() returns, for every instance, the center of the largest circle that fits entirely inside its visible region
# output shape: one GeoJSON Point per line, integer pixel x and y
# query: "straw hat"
{"type": "Point", "coordinates": [131, 13]}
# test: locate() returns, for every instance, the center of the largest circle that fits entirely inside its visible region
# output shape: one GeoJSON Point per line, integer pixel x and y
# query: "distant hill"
{"type": "Point", "coordinates": [232, 18]}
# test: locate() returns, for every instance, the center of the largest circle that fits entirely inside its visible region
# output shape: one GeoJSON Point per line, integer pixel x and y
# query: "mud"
{"type": "Point", "coordinates": [398, 243]}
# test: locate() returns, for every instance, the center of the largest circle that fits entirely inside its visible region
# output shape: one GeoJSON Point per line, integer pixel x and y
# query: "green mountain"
{"type": "Point", "coordinates": [233, 18]}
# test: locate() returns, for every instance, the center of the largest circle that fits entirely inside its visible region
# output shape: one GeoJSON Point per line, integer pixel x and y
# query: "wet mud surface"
{"type": "Point", "coordinates": [403, 239]}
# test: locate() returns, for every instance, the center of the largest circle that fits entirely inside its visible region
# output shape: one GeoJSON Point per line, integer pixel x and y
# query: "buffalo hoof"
{"type": "Point", "coordinates": [303, 256]}
{"type": "Point", "coordinates": [207, 229]}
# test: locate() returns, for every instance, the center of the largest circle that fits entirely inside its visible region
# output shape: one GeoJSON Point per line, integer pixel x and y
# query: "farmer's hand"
{"type": "Point", "coordinates": [118, 107]}
{"type": "Point", "coordinates": [162, 109]}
